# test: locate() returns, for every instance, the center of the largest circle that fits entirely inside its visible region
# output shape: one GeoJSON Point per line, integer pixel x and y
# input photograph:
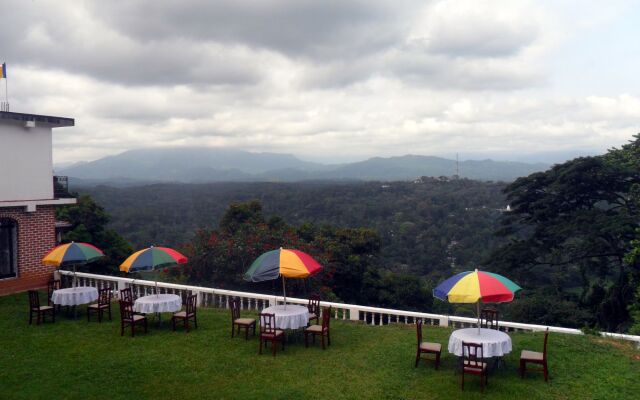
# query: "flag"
{"type": "Point", "coordinates": [3, 71]}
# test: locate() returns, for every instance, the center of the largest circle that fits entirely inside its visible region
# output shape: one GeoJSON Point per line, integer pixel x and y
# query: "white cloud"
{"type": "Point", "coordinates": [324, 80]}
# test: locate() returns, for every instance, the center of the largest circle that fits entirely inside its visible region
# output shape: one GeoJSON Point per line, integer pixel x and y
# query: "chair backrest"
{"type": "Point", "coordinates": [326, 317]}
{"type": "Point", "coordinates": [126, 310]}
{"type": "Point", "coordinates": [314, 305]}
{"type": "Point", "coordinates": [489, 318]}
{"type": "Point", "coordinates": [34, 299]}
{"type": "Point", "coordinates": [191, 304]}
{"type": "Point", "coordinates": [126, 295]}
{"type": "Point", "coordinates": [473, 354]}
{"type": "Point", "coordinates": [104, 296]}
{"type": "Point", "coordinates": [235, 309]}
{"type": "Point", "coordinates": [546, 338]}
{"type": "Point", "coordinates": [267, 323]}
{"type": "Point", "coordinates": [419, 330]}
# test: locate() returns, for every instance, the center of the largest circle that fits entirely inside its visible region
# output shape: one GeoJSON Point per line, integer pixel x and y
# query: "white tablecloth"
{"type": "Point", "coordinates": [494, 343]}
{"type": "Point", "coordinates": [158, 303]}
{"type": "Point", "coordinates": [74, 296]}
{"type": "Point", "coordinates": [291, 317]}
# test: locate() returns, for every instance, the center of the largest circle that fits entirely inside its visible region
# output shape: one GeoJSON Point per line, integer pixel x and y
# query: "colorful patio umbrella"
{"type": "Point", "coordinates": [475, 287]}
{"type": "Point", "coordinates": [152, 258]}
{"type": "Point", "coordinates": [72, 254]}
{"type": "Point", "coordinates": [287, 263]}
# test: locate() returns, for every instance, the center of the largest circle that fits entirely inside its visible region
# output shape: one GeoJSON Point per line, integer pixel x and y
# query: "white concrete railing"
{"type": "Point", "coordinates": [210, 297]}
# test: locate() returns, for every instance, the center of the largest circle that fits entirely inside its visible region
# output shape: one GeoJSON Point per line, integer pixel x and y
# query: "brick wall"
{"type": "Point", "coordinates": [36, 236]}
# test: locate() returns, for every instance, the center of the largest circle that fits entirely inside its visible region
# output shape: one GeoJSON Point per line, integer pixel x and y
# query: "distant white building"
{"type": "Point", "coordinates": [28, 198]}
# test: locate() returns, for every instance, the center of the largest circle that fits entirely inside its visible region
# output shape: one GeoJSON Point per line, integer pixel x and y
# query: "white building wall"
{"type": "Point", "coordinates": [26, 164]}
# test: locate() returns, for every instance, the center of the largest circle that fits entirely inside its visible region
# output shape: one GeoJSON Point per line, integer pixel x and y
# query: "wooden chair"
{"type": "Point", "coordinates": [40, 311]}
{"type": "Point", "coordinates": [104, 303]}
{"type": "Point", "coordinates": [535, 357]}
{"type": "Point", "coordinates": [128, 318]}
{"type": "Point", "coordinates": [322, 330]}
{"type": "Point", "coordinates": [269, 333]}
{"type": "Point", "coordinates": [473, 363]}
{"type": "Point", "coordinates": [489, 318]}
{"type": "Point", "coordinates": [238, 322]}
{"type": "Point", "coordinates": [314, 309]}
{"type": "Point", "coordinates": [187, 315]}
{"type": "Point", "coordinates": [426, 347]}
{"type": "Point", "coordinates": [52, 286]}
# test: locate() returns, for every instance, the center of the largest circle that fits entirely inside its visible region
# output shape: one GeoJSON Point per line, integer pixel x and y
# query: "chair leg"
{"type": "Point", "coordinates": [437, 360]}
{"type": "Point", "coordinates": [246, 333]}
{"type": "Point", "coordinates": [186, 325]}
{"type": "Point", "coordinates": [323, 346]}
{"type": "Point", "coordinates": [109, 311]}
{"type": "Point", "coordinates": [273, 347]}
{"type": "Point", "coordinates": [30, 316]}
{"type": "Point", "coordinates": [233, 329]}
{"type": "Point", "coordinates": [260, 349]}
{"type": "Point", "coordinates": [522, 367]}
{"type": "Point", "coordinates": [463, 380]}
{"type": "Point", "coordinates": [133, 328]}
{"type": "Point", "coordinates": [417, 358]}
{"type": "Point", "coordinates": [306, 339]}
{"type": "Point", "coordinates": [121, 328]}
{"type": "Point", "coordinates": [545, 371]}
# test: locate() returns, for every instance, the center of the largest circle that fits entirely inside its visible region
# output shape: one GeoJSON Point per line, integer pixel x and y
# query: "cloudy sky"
{"type": "Point", "coordinates": [330, 80]}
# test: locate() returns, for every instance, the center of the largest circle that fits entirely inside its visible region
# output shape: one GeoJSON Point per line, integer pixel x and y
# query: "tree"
{"type": "Point", "coordinates": [349, 256]}
{"type": "Point", "coordinates": [577, 218]}
{"type": "Point", "coordinates": [89, 224]}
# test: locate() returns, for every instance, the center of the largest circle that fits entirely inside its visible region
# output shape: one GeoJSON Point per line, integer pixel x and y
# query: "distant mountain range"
{"type": "Point", "coordinates": [193, 165]}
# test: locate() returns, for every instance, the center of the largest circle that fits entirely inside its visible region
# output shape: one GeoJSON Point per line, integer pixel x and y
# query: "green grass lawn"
{"type": "Point", "coordinates": [78, 360]}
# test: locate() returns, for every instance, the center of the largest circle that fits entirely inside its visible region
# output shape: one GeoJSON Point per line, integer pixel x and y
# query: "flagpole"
{"type": "Point", "coordinates": [6, 85]}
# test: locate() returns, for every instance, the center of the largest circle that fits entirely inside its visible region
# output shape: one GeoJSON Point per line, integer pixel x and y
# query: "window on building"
{"type": "Point", "coordinates": [8, 248]}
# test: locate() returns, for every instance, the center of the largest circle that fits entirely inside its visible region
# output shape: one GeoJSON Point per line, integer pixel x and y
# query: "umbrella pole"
{"type": "Point", "coordinates": [478, 310]}
{"type": "Point", "coordinates": [284, 291]}
{"type": "Point", "coordinates": [74, 276]}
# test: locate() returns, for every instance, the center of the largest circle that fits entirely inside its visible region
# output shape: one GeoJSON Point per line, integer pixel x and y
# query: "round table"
{"type": "Point", "coordinates": [157, 303]}
{"type": "Point", "coordinates": [494, 343]}
{"type": "Point", "coordinates": [74, 296]}
{"type": "Point", "coordinates": [289, 316]}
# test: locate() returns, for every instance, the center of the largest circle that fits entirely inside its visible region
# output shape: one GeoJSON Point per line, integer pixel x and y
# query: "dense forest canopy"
{"type": "Point", "coordinates": [425, 226]}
